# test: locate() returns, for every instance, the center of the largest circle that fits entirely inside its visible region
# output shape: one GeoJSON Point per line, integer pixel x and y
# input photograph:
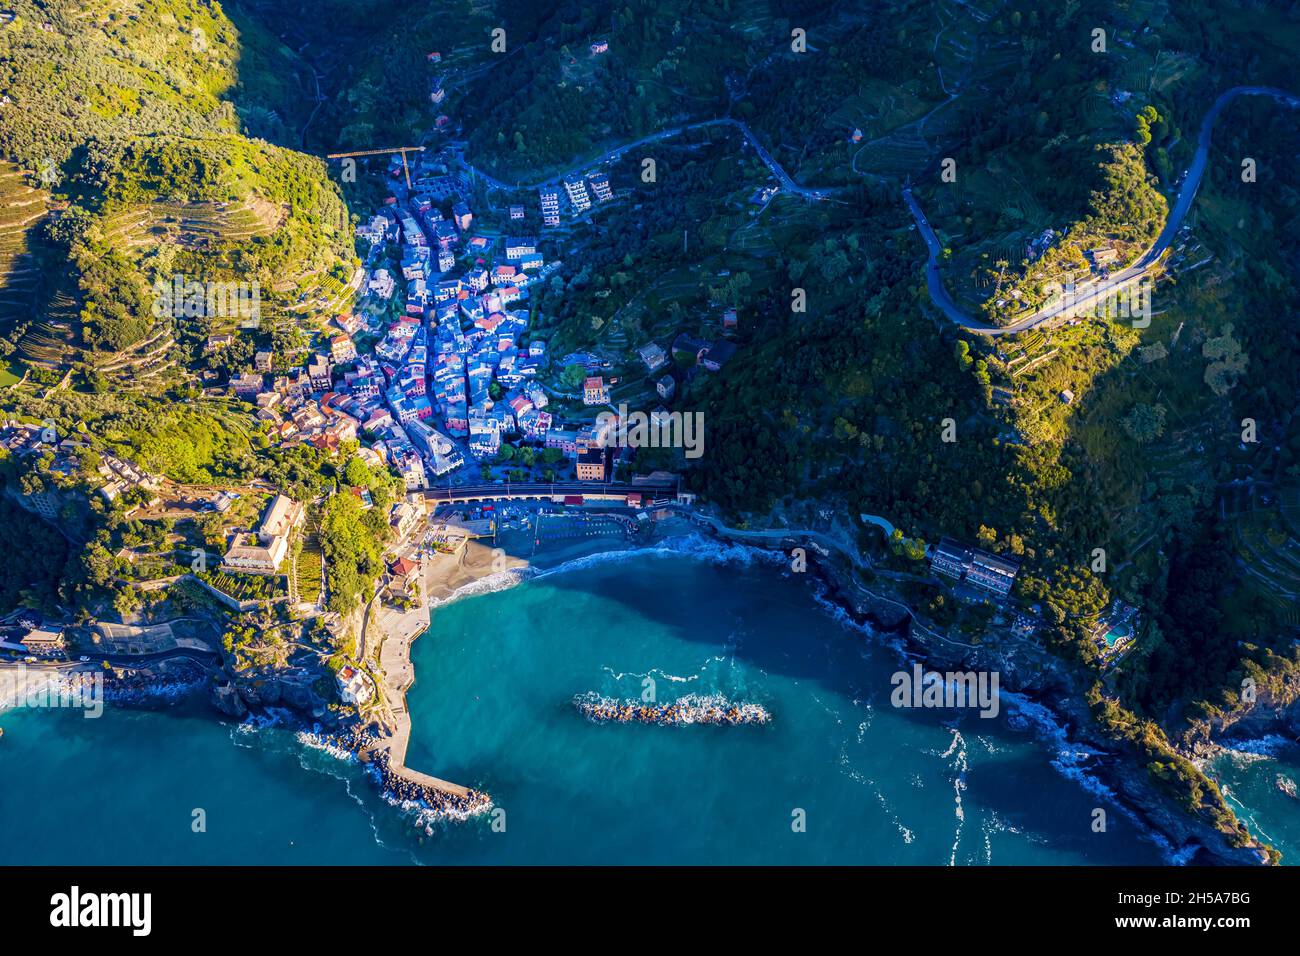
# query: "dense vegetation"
{"type": "Point", "coordinates": [142, 113]}
{"type": "Point", "coordinates": [143, 118]}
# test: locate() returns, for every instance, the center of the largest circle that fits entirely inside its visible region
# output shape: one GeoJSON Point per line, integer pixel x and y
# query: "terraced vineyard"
{"type": "Point", "coordinates": [245, 587]}
{"type": "Point", "coordinates": [1270, 555]}
{"type": "Point", "coordinates": [309, 571]}
{"type": "Point", "coordinates": [197, 225]}
{"type": "Point", "coordinates": [22, 211]}
{"type": "Point", "coordinates": [142, 367]}
{"type": "Point", "coordinates": [50, 338]}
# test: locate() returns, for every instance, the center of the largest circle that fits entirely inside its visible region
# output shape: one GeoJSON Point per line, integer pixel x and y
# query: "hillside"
{"type": "Point", "coordinates": [1142, 473]}
{"type": "Point", "coordinates": [144, 122]}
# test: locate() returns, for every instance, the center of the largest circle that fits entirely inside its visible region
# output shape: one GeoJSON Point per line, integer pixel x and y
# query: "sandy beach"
{"type": "Point", "coordinates": [517, 549]}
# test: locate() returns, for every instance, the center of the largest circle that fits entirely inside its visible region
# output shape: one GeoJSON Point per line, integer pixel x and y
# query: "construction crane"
{"type": "Point", "coordinates": [402, 150]}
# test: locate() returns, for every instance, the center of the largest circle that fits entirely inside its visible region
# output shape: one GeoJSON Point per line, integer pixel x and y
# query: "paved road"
{"type": "Point", "coordinates": [210, 658]}
{"type": "Point", "coordinates": [934, 279]}
{"type": "Point", "coordinates": [545, 489]}
{"type": "Point", "coordinates": [788, 184]}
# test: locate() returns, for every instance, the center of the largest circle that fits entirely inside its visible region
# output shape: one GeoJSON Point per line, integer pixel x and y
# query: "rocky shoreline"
{"type": "Point", "coordinates": [432, 800]}
{"type": "Point", "coordinates": [360, 742]}
{"type": "Point", "coordinates": [180, 678]}
{"type": "Point", "coordinates": [1045, 680]}
{"type": "Point", "coordinates": [1049, 682]}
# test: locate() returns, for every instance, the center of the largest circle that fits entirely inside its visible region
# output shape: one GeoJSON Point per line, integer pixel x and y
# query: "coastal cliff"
{"type": "Point", "coordinates": [1274, 711]}
{"type": "Point", "coordinates": [237, 697]}
{"type": "Point", "coordinates": [1117, 768]}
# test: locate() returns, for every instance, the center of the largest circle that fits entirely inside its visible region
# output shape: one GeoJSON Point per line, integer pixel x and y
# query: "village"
{"type": "Point", "coordinates": [433, 372]}
{"type": "Point", "coordinates": [435, 361]}
{"type": "Point", "coordinates": [431, 366]}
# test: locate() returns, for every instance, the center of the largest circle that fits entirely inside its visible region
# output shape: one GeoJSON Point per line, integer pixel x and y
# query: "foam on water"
{"type": "Point", "coordinates": [1259, 747]}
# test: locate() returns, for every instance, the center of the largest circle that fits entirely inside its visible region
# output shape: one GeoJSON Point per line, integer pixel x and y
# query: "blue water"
{"type": "Point", "coordinates": [1253, 786]}
{"type": "Point", "coordinates": [492, 708]}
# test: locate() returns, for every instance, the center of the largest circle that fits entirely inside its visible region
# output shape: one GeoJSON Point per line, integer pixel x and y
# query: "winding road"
{"type": "Point", "coordinates": [939, 293]}
{"type": "Point", "coordinates": [773, 166]}
{"type": "Point", "coordinates": [934, 249]}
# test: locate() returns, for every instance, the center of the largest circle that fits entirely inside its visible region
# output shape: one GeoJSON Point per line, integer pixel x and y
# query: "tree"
{"type": "Point", "coordinates": [574, 375]}
{"type": "Point", "coordinates": [1145, 423]}
{"type": "Point", "coordinates": [357, 473]}
{"type": "Point", "coordinates": [1227, 362]}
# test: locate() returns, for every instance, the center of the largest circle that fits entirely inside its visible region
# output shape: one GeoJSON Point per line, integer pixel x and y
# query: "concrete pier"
{"type": "Point", "coordinates": [398, 630]}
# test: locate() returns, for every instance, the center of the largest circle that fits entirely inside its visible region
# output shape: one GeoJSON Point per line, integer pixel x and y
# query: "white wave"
{"type": "Point", "coordinates": [1073, 761]}
{"type": "Point", "coordinates": [489, 584]}
{"type": "Point", "coordinates": [690, 546]}
{"type": "Point", "coordinates": [846, 766]}
{"type": "Point", "coordinates": [957, 750]}
{"type": "Point", "coordinates": [14, 693]}
{"type": "Point", "coordinates": [693, 546]}
{"type": "Point", "coordinates": [837, 612]}
{"type": "Point", "coordinates": [314, 741]}
{"type": "Point", "coordinates": [1269, 746]}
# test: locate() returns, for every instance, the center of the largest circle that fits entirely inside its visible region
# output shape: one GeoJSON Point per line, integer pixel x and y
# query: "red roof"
{"type": "Point", "coordinates": [403, 566]}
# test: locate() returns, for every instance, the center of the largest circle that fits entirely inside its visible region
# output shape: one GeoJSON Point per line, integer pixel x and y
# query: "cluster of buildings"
{"type": "Point", "coordinates": [120, 476]}
{"type": "Point", "coordinates": [297, 407]}
{"type": "Point", "coordinates": [28, 635]}
{"type": "Point", "coordinates": [27, 438]}
{"type": "Point", "coordinates": [264, 550]}
{"type": "Point", "coordinates": [579, 193]}
{"type": "Point", "coordinates": [455, 373]}
{"type": "Point", "coordinates": [455, 369]}
{"type": "Point", "coordinates": [975, 566]}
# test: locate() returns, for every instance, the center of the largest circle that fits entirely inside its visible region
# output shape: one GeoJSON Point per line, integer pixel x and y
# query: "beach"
{"type": "Point", "coordinates": [520, 547]}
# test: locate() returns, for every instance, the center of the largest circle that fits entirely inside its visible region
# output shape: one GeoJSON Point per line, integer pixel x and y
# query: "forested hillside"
{"type": "Point", "coordinates": [144, 124]}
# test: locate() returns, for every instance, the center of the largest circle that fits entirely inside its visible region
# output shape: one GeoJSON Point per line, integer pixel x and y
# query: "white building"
{"type": "Point", "coordinates": [355, 686]}
{"type": "Point", "coordinates": [550, 203]}
{"type": "Point", "coordinates": [577, 190]}
{"type": "Point", "coordinates": [264, 551]}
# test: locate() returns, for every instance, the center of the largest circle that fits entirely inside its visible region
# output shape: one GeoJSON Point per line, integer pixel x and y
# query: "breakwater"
{"type": "Point", "coordinates": [434, 799]}
{"type": "Point", "coordinates": [430, 797]}
{"type": "Point", "coordinates": [687, 710]}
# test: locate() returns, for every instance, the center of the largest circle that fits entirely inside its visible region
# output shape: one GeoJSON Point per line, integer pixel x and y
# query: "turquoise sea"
{"type": "Point", "coordinates": [492, 708]}
{"type": "Point", "coordinates": [1260, 781]}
